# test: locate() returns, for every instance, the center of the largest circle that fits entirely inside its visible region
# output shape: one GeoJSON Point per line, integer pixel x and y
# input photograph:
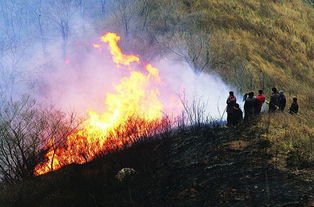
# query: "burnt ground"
{"type": "Point", "coordinates": [199, 166]}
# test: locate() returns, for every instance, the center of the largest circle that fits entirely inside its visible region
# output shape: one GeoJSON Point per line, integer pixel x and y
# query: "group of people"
{"type": "Point", "coordinates": [253, 105]}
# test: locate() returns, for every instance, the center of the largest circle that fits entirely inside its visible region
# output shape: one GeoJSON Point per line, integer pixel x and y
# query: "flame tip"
{"type": "Point", "coordinates": [133, 101]}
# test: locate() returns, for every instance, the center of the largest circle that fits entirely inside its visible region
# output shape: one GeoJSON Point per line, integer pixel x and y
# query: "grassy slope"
{"type": "Point", "coordinates": [258, 44]}
{"type": "Point", "coordinates": [202, 167]}
{"type": "Point", "coordinates": [261, 44]}
{"type": "Point", "coordinates": [268, 43]}
{"type": "Point", "coordinates": [255, 44]}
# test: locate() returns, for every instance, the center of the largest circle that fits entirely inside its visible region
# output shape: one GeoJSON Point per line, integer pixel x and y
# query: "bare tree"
{"type": "Point", "coordinates": [61, 13]}
{"type": "Point", "coordinates": [103, 7]}
{"type": "Point", "coordinates": [24, 132]}
{"type": "Point", "coordinates": [197, 51]}
{"type": "Point", "coordinates": [81, 6]}
{"type": "Point", "coordinates": [37, 10]}
{"type": "Point", "coordinates": [124, 11]}
{"type": "Point", "coordinates": [15, 30]}
{"type": "Point", "coordinates": [146, 7]}
{"type": "Point", "coordinates": [194, 112]}
{"type": "Point", "coordinates": [193, 48]}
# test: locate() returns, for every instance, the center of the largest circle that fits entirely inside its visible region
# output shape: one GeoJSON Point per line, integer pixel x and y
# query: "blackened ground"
{"type": "Point", "coordinates": [198, 166]}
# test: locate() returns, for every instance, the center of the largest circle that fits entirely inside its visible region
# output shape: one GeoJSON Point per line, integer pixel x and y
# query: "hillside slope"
{"type": "Point", "coordinates": [202, 166]}
{"type": "Point", "coordinates": [268, 43]}
{"type": "Point", "coordinates": [252, 44]}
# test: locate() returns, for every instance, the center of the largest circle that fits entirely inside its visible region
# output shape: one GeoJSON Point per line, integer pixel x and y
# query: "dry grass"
{"type": "Point", "coordinates": [290, 135]}
{"type": "Point", "coordinates": [257, 44]}
{"type": "Point", "coordinates": [268, 43]}
{"type": "Point", "coordinates": [252, 44]}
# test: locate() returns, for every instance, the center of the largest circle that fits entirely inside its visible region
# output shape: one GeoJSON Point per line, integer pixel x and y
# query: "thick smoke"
{"type": "Point", "coordinates": [80, 84]}
{"type": "Point", "coordinates": [204, 90]}
{"type": "Point", "coordinates": [79, 79]}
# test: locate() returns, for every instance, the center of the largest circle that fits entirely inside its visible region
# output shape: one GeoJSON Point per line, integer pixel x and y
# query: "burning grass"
{"type": "Point", "coordinates": [187, 168]}
{"type": "Point", "coordinates": [133, 111]}
{"type": "Point", "coordinates": [80, 149]}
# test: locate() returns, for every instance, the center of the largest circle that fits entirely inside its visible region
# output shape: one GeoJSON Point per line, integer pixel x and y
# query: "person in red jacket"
{"type": "Point", "coordinates": [260, 99]}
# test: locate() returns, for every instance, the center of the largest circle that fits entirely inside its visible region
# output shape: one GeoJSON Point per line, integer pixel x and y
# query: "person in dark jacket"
{"type": "Point", "coordinates": [274, 100]}
{"type": "Point", "coordinates": [237, 115]}
{"type": "Point", "coordinates": [249, 106]}
{"type": "Point", "coordinates": [231, 101]}
{"type": "Point", "coordinates": [294, 108]}
{"type": "Point", "coordinates": [260, 99]}
{"type": "Point", "coordinates": [282, 101]}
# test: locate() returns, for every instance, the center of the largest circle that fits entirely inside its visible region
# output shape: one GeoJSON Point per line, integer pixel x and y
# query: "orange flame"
{"type": "Point", "coordinates": [117, 56]}
{"type": "Point", "coordinates": [96, 45]}
{"type": "Point", "coordinates": [135, 103]}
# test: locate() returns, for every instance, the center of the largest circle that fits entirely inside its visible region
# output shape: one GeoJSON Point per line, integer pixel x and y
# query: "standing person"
{"type": "Point", "coordinates": [237, 115]}
{"type": "Point", "coordinates": [231, 101]}
{"type": "Point", "coordinates": [274, 100]}
{"type": "Point", "coordinates": [294, 108]}
{"type": "Point", "coordinates": [249, 106]}
{"type": "Point", "coordinates": [282, 101]}
{"type": "Point", "coordinates": [260, 99]}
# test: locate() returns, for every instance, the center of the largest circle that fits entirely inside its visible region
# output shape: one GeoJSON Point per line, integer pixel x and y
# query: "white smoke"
{"type": "Point", "coordinates": [82, 84]}
{"type": "Point", "coordinates": [82, 81]}
{"type": "Point", "coordinates": [207, 89]}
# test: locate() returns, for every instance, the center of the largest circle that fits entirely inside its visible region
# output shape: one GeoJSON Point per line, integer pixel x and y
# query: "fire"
{"type": "Point", "coordinates": [118, 57]}
{"type": "Point", "coordinates": [96, 45]}
{"type": "Point", "coordinates": [131, 111]}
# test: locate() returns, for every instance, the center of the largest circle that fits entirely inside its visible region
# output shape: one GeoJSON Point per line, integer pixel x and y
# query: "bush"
{"type": "Point", "coordinates": [24, 132]}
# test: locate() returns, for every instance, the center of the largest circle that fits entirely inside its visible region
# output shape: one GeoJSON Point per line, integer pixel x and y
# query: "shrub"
{"type": "Point", "coordinates": [24, 132]}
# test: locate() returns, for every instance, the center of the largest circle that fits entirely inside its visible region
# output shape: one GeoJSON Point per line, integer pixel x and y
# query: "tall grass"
{"type": "Point", "coordinates": [258, 44]}
{"type": "Point", "coordinates": [267, 43]}
{"type": "Point", "coordinates": [252, 44]}
{"type": "Point", "coordinates": [290, 136]}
